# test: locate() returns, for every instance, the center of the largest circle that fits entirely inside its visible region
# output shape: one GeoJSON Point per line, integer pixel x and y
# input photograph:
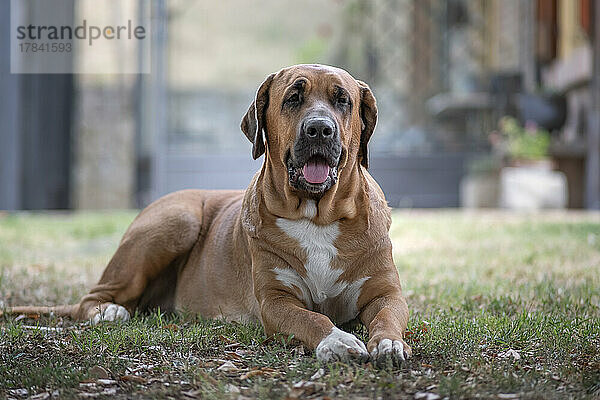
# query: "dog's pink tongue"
{"type": "Point", "coordinates": [315, 172]}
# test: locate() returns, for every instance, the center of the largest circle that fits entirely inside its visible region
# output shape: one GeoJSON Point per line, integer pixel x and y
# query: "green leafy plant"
{"type": "Point", "coordinates": [523, 143]}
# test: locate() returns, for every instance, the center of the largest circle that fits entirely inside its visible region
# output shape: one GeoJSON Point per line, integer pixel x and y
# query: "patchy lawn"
{"type": "Point", "coordinates": [502, 306]}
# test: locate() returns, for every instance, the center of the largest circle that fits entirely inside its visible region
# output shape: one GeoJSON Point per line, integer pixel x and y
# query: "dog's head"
{"type": "Point", "coordinates": [313, 121]}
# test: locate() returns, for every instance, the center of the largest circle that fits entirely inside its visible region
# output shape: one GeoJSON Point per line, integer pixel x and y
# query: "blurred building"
{"type": "Point", "coordinates": [443, 71]}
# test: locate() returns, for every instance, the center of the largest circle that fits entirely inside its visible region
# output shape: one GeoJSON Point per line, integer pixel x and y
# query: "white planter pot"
{"type": "Point", "coordinates": [532, 188]}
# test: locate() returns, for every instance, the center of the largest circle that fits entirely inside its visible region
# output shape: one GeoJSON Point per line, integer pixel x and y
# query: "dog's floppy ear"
{"type": "Point", "coordinates": [253, 123]}
{"type": "Point", "coordinates": [368, 116]}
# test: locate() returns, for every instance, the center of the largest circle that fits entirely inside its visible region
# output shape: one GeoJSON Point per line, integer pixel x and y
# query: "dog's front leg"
{"type": "Point", "coordinates": [281, 312]}
{"type": "Point", "coordinates": [386, 316]}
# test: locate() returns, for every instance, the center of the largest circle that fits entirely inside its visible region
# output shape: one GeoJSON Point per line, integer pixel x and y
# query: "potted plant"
{"type": "Point", "coordinates": [527, 179]}
{"type": "Point", "coordinates": [521, 146]}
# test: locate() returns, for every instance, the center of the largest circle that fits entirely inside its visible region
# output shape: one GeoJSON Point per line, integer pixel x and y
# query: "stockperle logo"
{"type": "Point", "coordinates": [80, 36]}
{"type": "Point", "coordinates": [83, 32]}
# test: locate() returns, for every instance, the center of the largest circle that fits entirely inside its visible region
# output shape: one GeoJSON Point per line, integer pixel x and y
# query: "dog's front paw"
{"type": "Point", "coordinates": [341, 346]}
{"type": "Point", "coordinates": [110, 312]}
{"type": "Point", "coordinates": [384, 351]}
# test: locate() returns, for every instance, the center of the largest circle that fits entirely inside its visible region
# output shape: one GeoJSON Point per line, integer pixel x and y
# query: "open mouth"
{"type": "Point", "coordinates": [315, 176]}
{"type": "Point", "coordinates": [316, 170]}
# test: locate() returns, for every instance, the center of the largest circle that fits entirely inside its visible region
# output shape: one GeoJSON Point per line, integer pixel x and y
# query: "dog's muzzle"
{"type": "Point", "coordinates": [313, 161]}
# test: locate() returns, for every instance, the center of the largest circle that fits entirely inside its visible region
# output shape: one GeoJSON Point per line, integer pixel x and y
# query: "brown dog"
{"type": "Point", "coordinates": [303, 249]}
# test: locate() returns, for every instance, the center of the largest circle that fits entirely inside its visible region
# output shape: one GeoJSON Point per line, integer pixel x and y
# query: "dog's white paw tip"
{"type": "Point", "coordinates": [113, 312]}
{"type": "Point", "coordinates": [341, 346]}
{"type": "Point", "coordinates": [390, 350]}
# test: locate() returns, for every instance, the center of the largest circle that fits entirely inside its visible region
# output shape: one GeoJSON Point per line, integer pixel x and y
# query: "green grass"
{"type": "Point", "coordinates": [501, 304]}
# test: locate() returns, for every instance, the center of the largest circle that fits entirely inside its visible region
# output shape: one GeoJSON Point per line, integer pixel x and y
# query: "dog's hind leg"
{"type": "Point", "coordinates": [163, 232]}
{"type": "Point", "coordinates": [58, 311]}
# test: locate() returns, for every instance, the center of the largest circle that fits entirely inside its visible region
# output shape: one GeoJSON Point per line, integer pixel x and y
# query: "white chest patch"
{"type": "Point", "coordinates": [320, 289]}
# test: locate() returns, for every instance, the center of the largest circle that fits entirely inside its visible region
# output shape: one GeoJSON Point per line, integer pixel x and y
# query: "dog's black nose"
{"type": "Point", "coordinates": [319, 128]}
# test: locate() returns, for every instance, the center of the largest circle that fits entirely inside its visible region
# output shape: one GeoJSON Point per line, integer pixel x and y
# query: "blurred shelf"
{"type": "Point", "coordinates": [577, 149]}
{"type": "Point", "coordinates": [456, 105]}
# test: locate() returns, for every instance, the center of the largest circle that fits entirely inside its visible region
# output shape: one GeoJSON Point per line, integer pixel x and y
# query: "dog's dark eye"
{"type": "Point", "coordinates": [343, 101]}
{"type": "Point", "coordinates": [293, 100]}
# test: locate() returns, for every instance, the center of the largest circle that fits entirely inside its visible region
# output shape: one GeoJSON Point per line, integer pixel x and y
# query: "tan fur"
{"type": "Point", "coordinates": [213, 252]}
